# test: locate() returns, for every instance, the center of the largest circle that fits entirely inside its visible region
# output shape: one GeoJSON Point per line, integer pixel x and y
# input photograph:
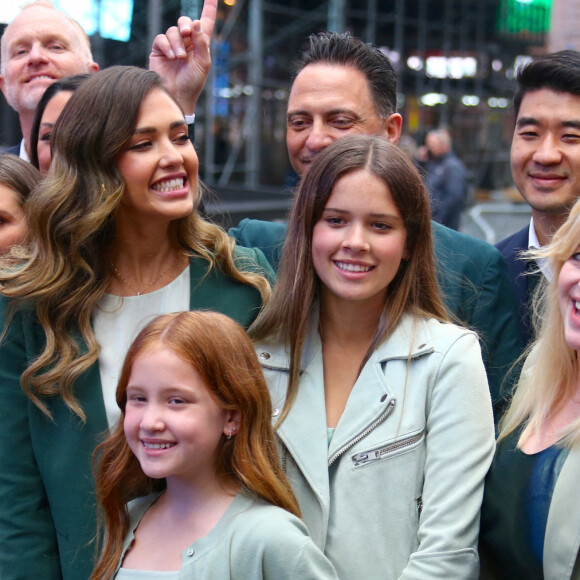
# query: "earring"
{"type": "Point", "coordinates": [229, 435]}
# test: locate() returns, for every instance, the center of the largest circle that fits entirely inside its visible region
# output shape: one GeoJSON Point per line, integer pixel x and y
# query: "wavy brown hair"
{"type": "Point", "coordinates": [63, 272]}
{"type": "Point", "coordinates": [414, 288]}
{"type": "Point", "coordinates": [221, 352]}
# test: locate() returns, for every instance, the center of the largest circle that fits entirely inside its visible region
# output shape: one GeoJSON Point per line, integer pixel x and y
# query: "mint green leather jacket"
{"type": "Point", "coordinates": [397, 492]}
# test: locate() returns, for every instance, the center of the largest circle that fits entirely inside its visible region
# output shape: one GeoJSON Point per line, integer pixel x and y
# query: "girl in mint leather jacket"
{"type": "Point", "coordinates": [382, 408]}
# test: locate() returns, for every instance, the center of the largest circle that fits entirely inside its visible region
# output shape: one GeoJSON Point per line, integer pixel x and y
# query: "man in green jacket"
{"type": "Point", "coordinates": [345, 86]}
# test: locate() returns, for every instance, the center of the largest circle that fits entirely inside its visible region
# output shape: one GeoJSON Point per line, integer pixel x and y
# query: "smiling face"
{"type": "Point", "coordinates": [569, 293]}
{"type": "Point", "coordinates": [13, 228]}
{"type": "Point", "coordinates": [545, 153]}
{"type": "Point", "coordinates": [359, 242]}
{"type": "Point", "coordinates": [38, 47]}
{"type": "Point", "coordinates": [328, 102]}
{"type": "Point", "coordinates": [159, 164]}
{"type": "Point", "coordinates": [51, 113]}
{"type": "Point", "coordinates": [172, 423]}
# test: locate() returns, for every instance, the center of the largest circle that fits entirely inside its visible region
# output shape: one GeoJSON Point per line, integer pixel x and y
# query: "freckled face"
{"type": "Point", "coordinates": [328, 102]}
{"type": "Point", "coordinates": [359, 242]}
{"type": "Point", "coordinates": [13, 228]}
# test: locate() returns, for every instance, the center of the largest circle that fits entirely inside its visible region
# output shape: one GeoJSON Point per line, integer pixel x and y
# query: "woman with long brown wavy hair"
{"type": "Point", "coordinates": [195, 445]}
{"type": "Point", "coordinates": [115, 239]}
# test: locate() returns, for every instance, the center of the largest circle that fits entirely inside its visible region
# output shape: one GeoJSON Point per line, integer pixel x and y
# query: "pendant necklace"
{"type": "Point", "coordinates": [132, 288]}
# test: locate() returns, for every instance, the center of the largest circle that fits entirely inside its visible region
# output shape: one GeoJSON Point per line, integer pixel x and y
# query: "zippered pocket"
{"type": "Point", "coordinates": [366, 457]}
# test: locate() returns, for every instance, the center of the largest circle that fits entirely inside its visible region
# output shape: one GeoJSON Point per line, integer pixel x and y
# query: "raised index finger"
{"type": "Point", "coordinates": [208, 16]}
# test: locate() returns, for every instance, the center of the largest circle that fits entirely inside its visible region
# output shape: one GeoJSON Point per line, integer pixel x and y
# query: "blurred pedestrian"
{"type": "Point", "coordinates": [446, 179]}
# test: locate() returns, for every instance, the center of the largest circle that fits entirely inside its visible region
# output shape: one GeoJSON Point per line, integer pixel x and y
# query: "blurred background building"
{"type": "Point", "coordinates": [455, 61]}
{"type": "Point", "coordinates": [565, 25]}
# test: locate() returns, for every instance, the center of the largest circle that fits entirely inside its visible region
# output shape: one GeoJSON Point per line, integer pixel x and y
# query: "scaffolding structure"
{"type": "Point", "coordinates": [241, 119]}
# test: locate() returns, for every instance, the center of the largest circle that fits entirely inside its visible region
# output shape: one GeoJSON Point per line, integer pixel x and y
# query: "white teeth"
{"type": "Point", "coordinates": [577, 304]}
{"type": "Point", "coordinates": [157, 445]}
{"type": "Point", "coordinates": [353, 267]}
{"type": "Point", "coordinates": [41, 77]}
{"type": "Point", "coordinates": [169, 185]}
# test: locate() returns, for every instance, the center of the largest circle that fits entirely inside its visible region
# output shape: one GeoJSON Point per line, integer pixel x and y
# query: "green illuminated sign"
{"type": "Point", "coordinates": [524, 16]}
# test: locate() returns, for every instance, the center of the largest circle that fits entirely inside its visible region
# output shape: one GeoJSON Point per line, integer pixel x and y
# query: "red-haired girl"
{"type": "Point", "coordinates": [195, 447]}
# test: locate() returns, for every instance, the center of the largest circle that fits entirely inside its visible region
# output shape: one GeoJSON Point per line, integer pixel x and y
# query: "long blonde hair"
{"type": "Point", "coordinates": [414, 288]}
{"type": "Point", "coordinates": [550, 375]}
{"type": "Point", "coordinates": [220, 350]}
{"type": "Point", "coordinates": [63, 273]}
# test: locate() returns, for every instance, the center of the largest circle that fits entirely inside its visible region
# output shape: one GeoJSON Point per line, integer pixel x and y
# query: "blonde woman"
{"type": "Point", "coordinates": [115, 239]}
{"type": "Point", "coordinates": [531, 510]}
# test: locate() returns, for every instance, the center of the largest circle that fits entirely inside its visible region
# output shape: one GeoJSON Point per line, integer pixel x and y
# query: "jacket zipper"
{"type": "Point", "coordinates": [284, 457]}
{"type": "Point", "coordinates": [368, 456]}
{"type": "Point", "coordinates": [362, 435]}
{"type": "Point", "coordinates": [419, 501]}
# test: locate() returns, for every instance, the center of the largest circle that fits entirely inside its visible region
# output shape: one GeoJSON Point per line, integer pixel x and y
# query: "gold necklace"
{"type": "Point", "coordinates": [132, 288]}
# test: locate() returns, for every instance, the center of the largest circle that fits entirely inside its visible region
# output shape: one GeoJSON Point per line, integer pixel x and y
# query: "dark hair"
{"type": "Point", "coordinates": [345, 50]}
{"type": "Point", "coordinates": [413, 290]}
{"type": "Point", "coordinates": [558, 71]}
{"type": "Point", "coordinates": [65, 84]}
{"type": "Point", "coordinates": [18, 175]}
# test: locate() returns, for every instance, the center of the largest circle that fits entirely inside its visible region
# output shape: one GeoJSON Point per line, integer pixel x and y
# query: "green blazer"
{"type": "Point", "coordinates": [473, 280]}
{"type": "Point", "coordinates": [47, 495]}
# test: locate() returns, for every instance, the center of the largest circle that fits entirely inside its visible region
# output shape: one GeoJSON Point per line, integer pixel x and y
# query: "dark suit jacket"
{"type": "Point", "coordinates": [14, 150]}
{"type": "Point", "coordinates": [47, 492]}
{"type": "Point", "coordinates": [523, 277]}
{"type": "Point", "coordinates": [473, 280]}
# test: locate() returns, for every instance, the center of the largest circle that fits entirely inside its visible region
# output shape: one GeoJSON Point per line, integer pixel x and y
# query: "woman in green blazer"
{"type": "Point", "coordinates": [115, 239]}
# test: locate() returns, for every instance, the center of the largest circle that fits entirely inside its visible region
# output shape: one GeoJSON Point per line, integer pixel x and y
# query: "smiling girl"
{"type": "Point", "coordinates": [115, 239]}
{"type": "Point", "coordinates": [385, 420]}
{"type": "Point", "coordinates": [195, 433]}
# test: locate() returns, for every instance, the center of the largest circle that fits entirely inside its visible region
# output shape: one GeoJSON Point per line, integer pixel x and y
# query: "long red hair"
{"type": "Point", "coordinates": [220, 350]}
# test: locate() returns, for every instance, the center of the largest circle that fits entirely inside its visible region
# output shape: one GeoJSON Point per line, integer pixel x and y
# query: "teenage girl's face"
{"type": "Point", "coordinates": [158, 163]}
{"type": "Point", "coordinates": [13, 228]}
{"type": "Point", "coordinates": [359, 242]}
{"type": "Point", "coordinates": [569, 292]}
{"type": "Point", "coordinates": [51, 113]}
{"type": "Point", "coordinates": [172, 423]}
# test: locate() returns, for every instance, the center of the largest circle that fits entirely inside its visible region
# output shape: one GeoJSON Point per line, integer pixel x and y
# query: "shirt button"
{"type": "Point", "coordinates": [264, 355]}
{"type": "Point", "coordinates": [190, 552]}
